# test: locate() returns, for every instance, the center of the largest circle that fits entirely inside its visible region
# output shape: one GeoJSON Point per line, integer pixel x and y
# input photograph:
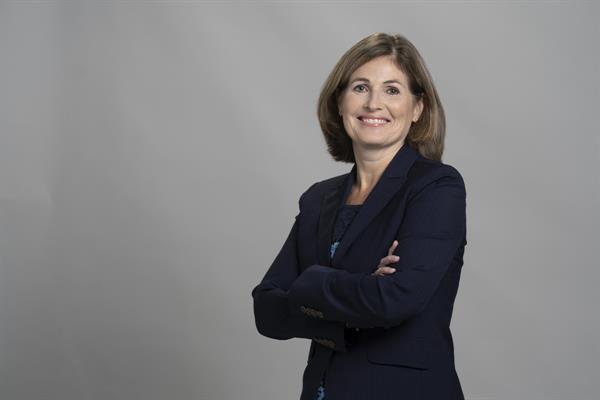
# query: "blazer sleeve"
{"type": "Point", "coordinates": [271, 306]}
{"type": "Point", "coordinates": [433, 229]}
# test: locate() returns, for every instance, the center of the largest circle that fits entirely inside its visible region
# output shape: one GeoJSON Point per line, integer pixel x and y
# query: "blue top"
{"type": "Point", "coordinates": [345, 216]}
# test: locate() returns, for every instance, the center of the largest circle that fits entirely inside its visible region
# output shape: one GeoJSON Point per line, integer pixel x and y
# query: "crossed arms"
{"type": "Point", "coordinates": [433, 229]}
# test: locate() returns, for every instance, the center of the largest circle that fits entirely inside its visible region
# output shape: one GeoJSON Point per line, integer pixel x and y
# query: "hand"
{"type": "Point", "coordinates": [383, 268]}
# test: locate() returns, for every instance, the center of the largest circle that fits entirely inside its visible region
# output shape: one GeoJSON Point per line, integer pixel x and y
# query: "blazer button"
{"type": "Point", "coordinates": [311, 311]}
{"type": "Point", "coordinates": [325, 342]}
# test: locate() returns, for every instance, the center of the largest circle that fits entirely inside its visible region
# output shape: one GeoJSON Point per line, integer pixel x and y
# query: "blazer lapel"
{"type": "Point", "coordinates": [388, 185]}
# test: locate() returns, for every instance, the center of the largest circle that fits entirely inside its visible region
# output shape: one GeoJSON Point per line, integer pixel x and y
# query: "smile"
{"type": "Point", "coordinates": [372, 121]}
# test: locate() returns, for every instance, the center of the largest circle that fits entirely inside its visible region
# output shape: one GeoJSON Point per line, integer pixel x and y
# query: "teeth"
{"type": "Point", "coordinates": [374, 121]}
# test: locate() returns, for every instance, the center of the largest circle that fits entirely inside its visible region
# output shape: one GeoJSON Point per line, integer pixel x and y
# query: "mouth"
{"type": "Point", "coordinates": [372, 121]}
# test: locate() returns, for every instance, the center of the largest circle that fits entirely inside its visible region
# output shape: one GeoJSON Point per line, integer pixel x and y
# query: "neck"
{"type": "Point", "coordinates": [370, 164]}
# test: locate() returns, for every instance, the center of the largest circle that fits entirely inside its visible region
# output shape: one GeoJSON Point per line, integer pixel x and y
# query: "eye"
{"type": "Point", "coordinates": [357, 88]}
{"type": "Point", "coordinates": [393, 90]}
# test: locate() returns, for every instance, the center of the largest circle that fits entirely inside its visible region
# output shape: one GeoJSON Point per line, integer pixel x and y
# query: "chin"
{"type": "Point", "coordinates": [370, 144]}
{"type": "Point", "coordinates": [378, 143]}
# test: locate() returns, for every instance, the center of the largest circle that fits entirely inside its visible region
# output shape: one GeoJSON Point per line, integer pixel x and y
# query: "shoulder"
{"type": "Point", "coordinates": [426, 169]}
{"type": "Point", "coordinates": [317, 189]}
{"type": "Point", "coordinates": [424, 173]}
{"type": "Point", "coordinates": [428, 174]}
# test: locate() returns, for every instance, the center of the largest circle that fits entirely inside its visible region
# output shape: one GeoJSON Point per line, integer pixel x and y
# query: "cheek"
{"type": "Point", "coordinates": [402, 110]}
{"type": "Point", "coordinates": [351, 103]}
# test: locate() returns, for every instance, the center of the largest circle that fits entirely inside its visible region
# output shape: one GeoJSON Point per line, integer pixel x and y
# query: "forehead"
{"type": "Point", "coordinates": [379, 69]}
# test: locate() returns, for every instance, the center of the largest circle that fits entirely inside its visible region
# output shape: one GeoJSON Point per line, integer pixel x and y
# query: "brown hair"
{"type": "Point", "coordinates": [426, 135]}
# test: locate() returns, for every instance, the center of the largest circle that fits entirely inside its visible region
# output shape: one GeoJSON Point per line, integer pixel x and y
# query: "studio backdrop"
{"type": "Point", "coordinates": [147, 149]}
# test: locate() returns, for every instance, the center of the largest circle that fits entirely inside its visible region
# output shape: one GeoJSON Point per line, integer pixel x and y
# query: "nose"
{"type": "Point", "coordinates": [373, 101]}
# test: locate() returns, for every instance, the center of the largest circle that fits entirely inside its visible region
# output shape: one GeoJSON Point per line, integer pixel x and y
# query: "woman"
{"type": "Point", "coordinates": [370, 269]}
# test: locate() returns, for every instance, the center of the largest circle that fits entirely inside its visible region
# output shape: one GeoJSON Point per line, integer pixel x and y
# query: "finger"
{"type": "Point", "coordinates": [384, 270]}
{"type": "Point", "coordinates": [382, 273]}
{"type": "Point", "coordinates": [389, 260]}
{"type": "Point", "coordinates": [393, 247]}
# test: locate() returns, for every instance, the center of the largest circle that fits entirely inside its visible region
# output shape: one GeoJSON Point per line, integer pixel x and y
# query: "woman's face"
{"type": "Point", "coordinates": [377, 107]}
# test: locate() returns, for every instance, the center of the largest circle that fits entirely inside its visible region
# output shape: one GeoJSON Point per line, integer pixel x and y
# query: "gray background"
{"type": "Point", "coordinates": [151, 160]}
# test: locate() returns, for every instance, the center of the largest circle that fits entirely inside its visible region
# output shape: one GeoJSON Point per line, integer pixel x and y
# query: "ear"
{"type": "Point", "coordinates": [418, 109]}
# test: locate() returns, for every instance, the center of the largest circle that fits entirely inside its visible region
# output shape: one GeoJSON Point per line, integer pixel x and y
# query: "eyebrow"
{"type": "Point", "coordinates": [389, 81]}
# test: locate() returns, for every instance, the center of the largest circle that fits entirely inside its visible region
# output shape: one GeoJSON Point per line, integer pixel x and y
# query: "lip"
{"type": "Point", "coordinates": [362, 117]}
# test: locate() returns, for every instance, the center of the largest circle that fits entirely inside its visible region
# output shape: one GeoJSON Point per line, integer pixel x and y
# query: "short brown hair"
{"type": "Point", "coordinates": [426, 135]}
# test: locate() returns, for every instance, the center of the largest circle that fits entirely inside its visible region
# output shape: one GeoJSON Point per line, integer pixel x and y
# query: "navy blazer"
{"type": "Point", "coordinates": [374, 337]}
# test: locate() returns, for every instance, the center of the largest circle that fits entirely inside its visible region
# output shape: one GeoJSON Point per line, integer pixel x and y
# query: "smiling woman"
{"type": "Point", "coordinates": [405, 75]}
{"type": "Point", "coordinates": [377, 107]}
{"type": "Point", "coordinates": [370, 268]}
